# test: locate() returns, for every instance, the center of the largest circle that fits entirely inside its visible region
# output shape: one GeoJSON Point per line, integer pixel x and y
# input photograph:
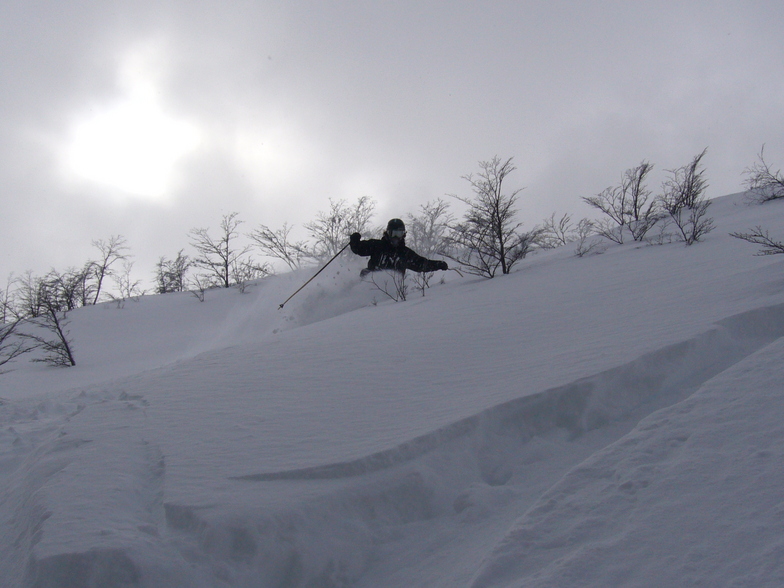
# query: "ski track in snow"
{"type": "Point", "coordinates": [346, 441]}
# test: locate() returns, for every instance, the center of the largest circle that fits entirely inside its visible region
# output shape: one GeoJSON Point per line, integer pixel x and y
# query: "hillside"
{"type": "Point", "coordinates": [609, 420]}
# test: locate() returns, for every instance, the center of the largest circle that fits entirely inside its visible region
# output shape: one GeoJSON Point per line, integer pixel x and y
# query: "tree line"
{"type": "Point", "coordinates": [487, 240]}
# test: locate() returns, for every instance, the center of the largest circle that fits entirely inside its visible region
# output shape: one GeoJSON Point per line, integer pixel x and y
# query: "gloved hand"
{"type": "Point", "coordinates": [441, 265]}
{"type": "Point", "coordinates": [355, 237]}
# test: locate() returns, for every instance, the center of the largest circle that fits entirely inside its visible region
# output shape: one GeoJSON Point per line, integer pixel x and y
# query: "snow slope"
{"type": "Point", "coordinates": [611, 420]}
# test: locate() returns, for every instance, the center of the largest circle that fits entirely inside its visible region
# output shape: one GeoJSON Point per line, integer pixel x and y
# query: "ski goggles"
{"type": "Point", "coordinates": [397, 233]}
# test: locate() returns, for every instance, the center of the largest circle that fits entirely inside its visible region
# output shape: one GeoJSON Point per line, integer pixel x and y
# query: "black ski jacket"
{"type": "Point", "coordinates": [386, 256]}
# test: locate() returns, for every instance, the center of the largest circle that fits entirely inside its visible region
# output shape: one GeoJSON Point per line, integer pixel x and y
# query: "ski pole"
{"type": "Point", "coordinates": [314, 275]}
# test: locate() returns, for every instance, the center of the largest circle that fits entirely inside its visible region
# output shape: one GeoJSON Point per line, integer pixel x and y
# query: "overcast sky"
{"type": "Point", "coordinates": [149, 118]}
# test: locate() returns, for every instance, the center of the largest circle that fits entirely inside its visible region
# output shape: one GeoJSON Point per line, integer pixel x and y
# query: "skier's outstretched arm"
{"type": "Point", "coordinates": [417, 263]}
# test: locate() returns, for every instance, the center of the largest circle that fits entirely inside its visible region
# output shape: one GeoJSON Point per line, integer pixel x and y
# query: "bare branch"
{"type": "Point", "coordinates": [112, 251]}
{"type": "Point", "coordinates": [683, 198]}
{"type": "Point", "coordinates": [584, 231]}
{"type": "Point", "coordinates": [627, 206]}
{"type": "Point", "coordinates": [392, 283]}
{"type": "Point", "coordinates": [762, 182]}
{"type": "Point", "coordinates": [220, 257]}
{"type": "Point", "coordinates": [555, 233]}
{"type": "Point", "coordinates": [331, 230]}
{"type": "Point", "coordinates": [276, 244]}
{"type": "Point", "coordinates": [170, 274]}
{"type": "Point", "coordinates": [12, 345]}
{"type": "Point", "coordinates": [8, 310]}
{"type": "Point", "coordinates": [128, 288]}
{"type": "Point", "coordinates": [428, 234]}
{"type": "Point", "coordinates": [758, 236]}
{"type": "Point", "coordinates": [57, 351]}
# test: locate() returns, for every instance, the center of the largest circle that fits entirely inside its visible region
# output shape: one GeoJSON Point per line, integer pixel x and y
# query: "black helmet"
{"type": "Point", "coordinates": [396, 228]}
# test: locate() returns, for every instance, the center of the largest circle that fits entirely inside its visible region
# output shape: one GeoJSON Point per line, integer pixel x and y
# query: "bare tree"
{"type": "Point", "coordinates": [220, 256]}
{"type": "Point", "coordinates": [686, 185]}
{"type": "Point", "coordinates": [127, 287]}
{"type": "Point", "coordinates": [87, 287]}
{"type": "Point", "coordinates": [58, 351]}
{"type": "Point", "coordinates": [11, 344]}
{"type": "Point", "coordinates": [62, 290]}
{"type": "Point", "coordinates": [489, 237]}
{"type": "Point", "coordinates": [247, 270]}
{"type": "Point", "coordinates": [170, 274]}
{"type": "Point", "coordinates": [663, 235]}
{"type": "Point", "coordinates": [8, 301]}
{"type": "Point", "coordinates": [428, 234]}
{"type": "Point", "coordinates": [642, 214]}
{"type": "Point", "coordinates": [331, 230]}
{"type": "Point", "coordinates": [610, 201]}
{"type": "Point", "coordinates": [427, 231]}
{"type": "Point", "coordinates": [626, 206]}
{"type": "Point", "coordinates": [683, 198]}
{"type": "Point", "coordinates": [112, 251]}
{"type": "Point", "coordinates": [693, 223]}
{"type": "Point", "coordinates": [587, 239]}
{"type": "Point", "coordinates": [758, 236]}
{"type": "Point", "coordinates": [70, 289]}
{"type": "Point", "coordinates": [28, 295]}
{"type": "Point", "coordinates": [199, 287]}
{"type": "Point", "coordinates": [556, 233]}
{"type": "Point", "coordinates": [73, 288]}
{"type": "Point", "coordinates": [762, 183]}
{"type": "Point", "coordinates": [277, 244]}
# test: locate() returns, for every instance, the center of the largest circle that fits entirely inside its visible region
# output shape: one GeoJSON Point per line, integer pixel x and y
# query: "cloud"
{"type": "Point", "coordinates": [296, 103]}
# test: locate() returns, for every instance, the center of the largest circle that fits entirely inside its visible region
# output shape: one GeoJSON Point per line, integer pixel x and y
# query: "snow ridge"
{"type": "Point", "coordinates": [651, 382]}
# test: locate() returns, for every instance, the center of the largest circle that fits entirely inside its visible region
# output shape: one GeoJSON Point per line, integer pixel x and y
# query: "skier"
{"type": "Point", "coordinates": [390, 252]}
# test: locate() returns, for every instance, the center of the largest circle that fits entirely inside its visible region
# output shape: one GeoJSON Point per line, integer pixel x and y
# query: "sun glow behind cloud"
{"type": "Point", "coordinates": [132, 145]}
